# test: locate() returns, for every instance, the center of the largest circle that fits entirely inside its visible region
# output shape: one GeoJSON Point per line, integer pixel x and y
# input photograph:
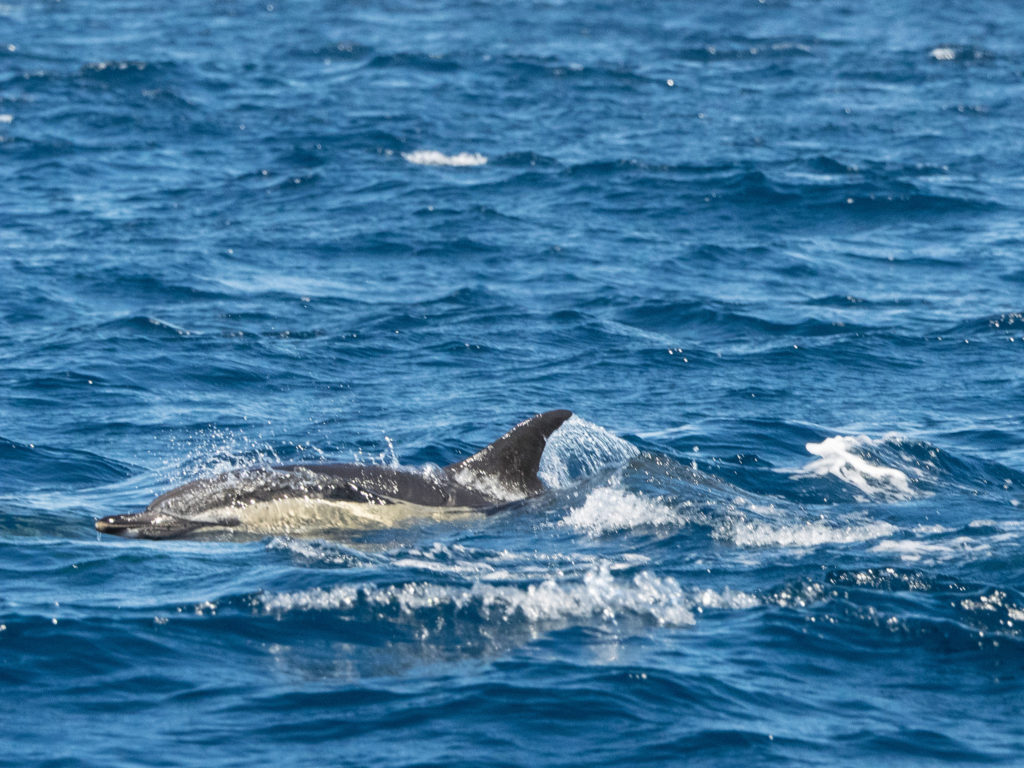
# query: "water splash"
{"type": "Point", "coordinates": [841, 456]}
{"type": "Point", "coordinates": [579, 449]}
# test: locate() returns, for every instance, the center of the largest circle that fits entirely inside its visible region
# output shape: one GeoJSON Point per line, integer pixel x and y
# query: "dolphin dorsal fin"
{"type": "Point", "coordinates": [514, 458]}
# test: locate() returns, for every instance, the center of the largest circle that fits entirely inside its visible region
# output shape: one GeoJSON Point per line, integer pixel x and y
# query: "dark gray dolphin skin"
{"type": "Point", "coordinates": [503, 472]}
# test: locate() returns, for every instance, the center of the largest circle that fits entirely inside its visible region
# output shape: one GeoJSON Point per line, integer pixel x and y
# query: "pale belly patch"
{"type": "Point", "coordinates": [313, 517]}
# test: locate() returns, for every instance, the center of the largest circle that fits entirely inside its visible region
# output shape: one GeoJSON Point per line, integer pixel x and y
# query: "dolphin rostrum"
{"type": "Point", "coordinates": [315, 499]}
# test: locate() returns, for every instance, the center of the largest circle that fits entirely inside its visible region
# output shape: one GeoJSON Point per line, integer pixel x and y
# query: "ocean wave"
{"type": "Point", "coordinates": [345, 50]}
{"type": "Point", "coordinates": [526, 160]}
{"type": "Point", "coordinates": [869, 605]}
{"type": "Point", "coordinates": [321, 553]}
{"type": "Point", "coordinates": [1003, 324]}
{"type": "Point", "coordinates": [897, 468]}
{"type": "Point", "coordinates": [845, 457]}
{"type": "Point", "coordinates": [543, 68]}
{"type": "Point", "coordinates": [719, 320]}
{"type": "Point", "coordinates": [30, 465]}
{"type": "Point", "coordinates": [596, 595]}
{"type": "Point", "coordinates": [1002, 609]}
{"type": "Point", "coordinates": [117, 73]}
{"type": "Point", "coordinates": [801, 534]}
{"type": "Point", "coordinates": [970, 545]}
{"type": "Point", "coordinates": [422, 61]}
{"type": "Point", "coordinates": [751, 48]}
{"type": "Point", "coordinates": [607, 510]}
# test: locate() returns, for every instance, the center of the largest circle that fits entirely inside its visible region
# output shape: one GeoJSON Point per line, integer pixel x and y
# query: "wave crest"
{"type": "Point", "coordinates": [613, 509]}
{"type": "Point", "coordinates": [843, 457]}
{"type": "Point", "coordinates": [433, 157]}
{"type": "Point", "coordinates": [598, 594]}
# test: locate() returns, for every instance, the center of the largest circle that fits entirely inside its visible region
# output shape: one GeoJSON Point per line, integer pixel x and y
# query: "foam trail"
{"type": "Point", "coordinates": [613, 509]}
{"type": "Point", "coordinates": [433, 157]}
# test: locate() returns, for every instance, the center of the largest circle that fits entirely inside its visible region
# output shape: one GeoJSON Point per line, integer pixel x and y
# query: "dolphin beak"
{"type": "Point", "coordinates": [116, 526]}
{"type": "Point", "coordinates": [155, 525]}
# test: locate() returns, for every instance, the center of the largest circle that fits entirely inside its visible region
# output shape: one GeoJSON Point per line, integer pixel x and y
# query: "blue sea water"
{"type": "Point", "coordinates": [770, 253]}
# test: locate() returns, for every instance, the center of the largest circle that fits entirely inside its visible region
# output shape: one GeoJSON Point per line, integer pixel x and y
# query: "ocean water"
{"type": "Point", "coordinates": [770, 253]}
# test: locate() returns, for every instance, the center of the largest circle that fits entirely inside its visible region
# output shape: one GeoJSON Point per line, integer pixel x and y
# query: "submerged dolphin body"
{"type": "Point", "coordinates": [311, 499]}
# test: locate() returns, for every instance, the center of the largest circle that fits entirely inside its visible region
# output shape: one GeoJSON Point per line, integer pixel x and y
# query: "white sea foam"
{"type": "Point", "coordinates": [914, 550]}
{"type": "Point", "coordinates": [930, 530]}
{"type": "Point", "coordinates": [6, 119]}
{"type": "Point", "coordinates": [839, 457]}
{"type": "Point", "coordinates": [605, 591]}
{"type": "Point", "coordinates": [433, 157]}
{"type": "Point", "coordinates": [727, 599]}
{"type": "Point", "coordinates": [427, 561]}
{"type": "Point", "coordinates": [954, 548]}
{"type": "Point", "coordinates": [322, 551]}
{"type": "Point", "coordinates": [458, 559]}
{"type": "Point", "coordinates": [938, 544]}
{"type": "Point", "coordinates": [812, 533]}
{"type": "Point", "coordinates": [597, 595]}
{"type": "Point", "coordinates": [797, 596]}
{"type": "Point", "coordinates": [996, 601]}
{"type": "Point", "coordinates": [614, 509]}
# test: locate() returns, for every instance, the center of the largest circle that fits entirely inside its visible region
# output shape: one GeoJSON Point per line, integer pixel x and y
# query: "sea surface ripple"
{"type": "Point", "coordinates": [769, 252]}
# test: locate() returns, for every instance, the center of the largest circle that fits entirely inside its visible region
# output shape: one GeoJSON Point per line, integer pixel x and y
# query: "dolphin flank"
{"type": "Point", "coordinates": [317, 499]}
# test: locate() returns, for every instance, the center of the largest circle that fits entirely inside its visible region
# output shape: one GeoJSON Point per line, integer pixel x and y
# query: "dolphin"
{"type": "Point", "coordinates": [319, 499]}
